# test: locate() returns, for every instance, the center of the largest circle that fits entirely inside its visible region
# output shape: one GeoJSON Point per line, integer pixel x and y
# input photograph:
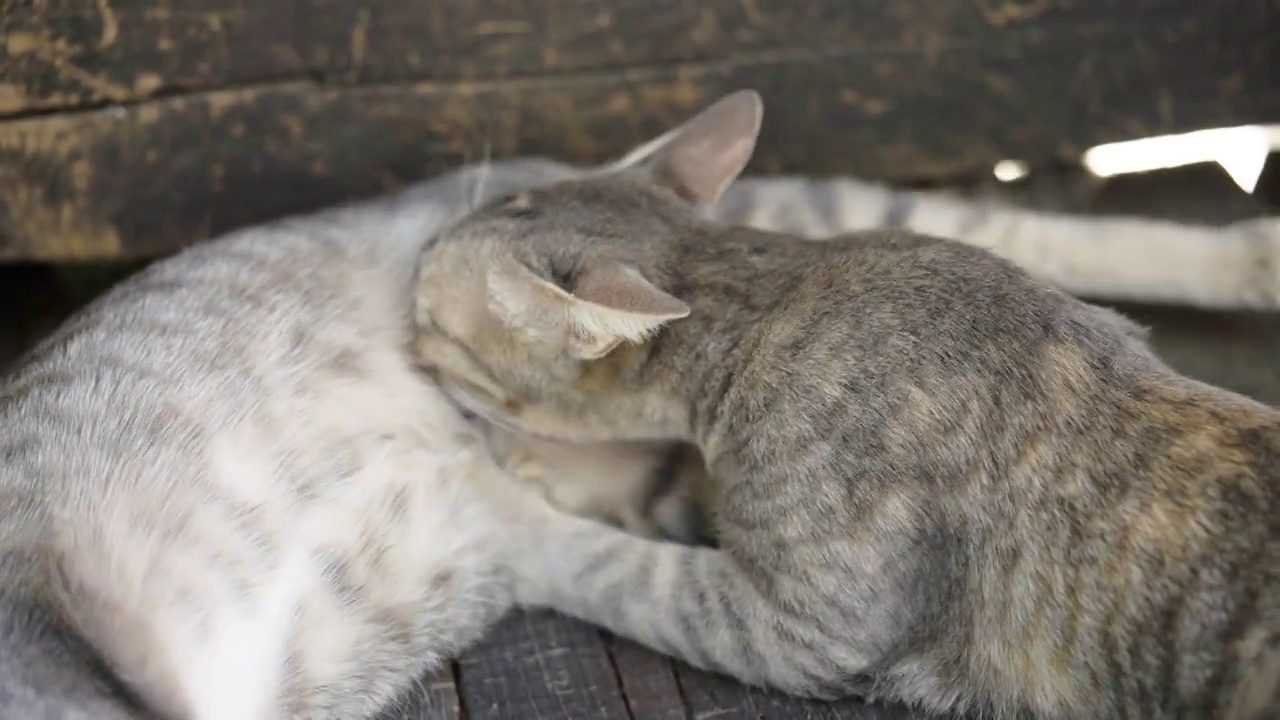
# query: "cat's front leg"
{"type": "Point", "coordinates": [694, 603]}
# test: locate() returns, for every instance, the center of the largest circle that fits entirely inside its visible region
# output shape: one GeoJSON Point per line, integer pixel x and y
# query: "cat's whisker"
{"type": "Point", "coordinates": [482, 176]}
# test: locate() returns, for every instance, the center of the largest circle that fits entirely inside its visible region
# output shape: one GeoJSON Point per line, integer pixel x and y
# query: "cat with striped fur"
{"type": "Point", "coordinates": [939, 479]}
{"type": "Point", "coordinates": [226, 492]}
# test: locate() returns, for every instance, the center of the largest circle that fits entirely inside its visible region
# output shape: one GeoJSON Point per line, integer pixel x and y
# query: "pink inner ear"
{"type": "Point", "coordinates": [701, 175]}
{"type": "Point", "coordinates": [712, 149]}
{"type": "Point", "coordinates": [726, 166]}
{"type": "Point", "coordinates": [623, 288]}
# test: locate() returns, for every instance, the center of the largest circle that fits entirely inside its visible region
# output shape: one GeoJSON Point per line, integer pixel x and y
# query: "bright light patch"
{"type": "Point", "coordinates": [1010, 170]}
{"type": "Point", "coordinates": [1241, 151]}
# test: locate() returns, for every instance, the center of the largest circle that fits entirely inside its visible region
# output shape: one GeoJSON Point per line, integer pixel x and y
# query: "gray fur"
{"type": "Point", "coordinates": [238, 425]}
{"type": "Point", "coordinates": [1105, 257]}
{"type": "Point", "coordinates": [940, 480]}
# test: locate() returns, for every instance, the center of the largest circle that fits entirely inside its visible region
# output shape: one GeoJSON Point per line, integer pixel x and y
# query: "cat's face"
{"type": "Point", "coordinates": [531, 309]}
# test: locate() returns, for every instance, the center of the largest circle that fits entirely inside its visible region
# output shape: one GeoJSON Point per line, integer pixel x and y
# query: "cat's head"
{"type": "Point", "coordinates": [521, 303]}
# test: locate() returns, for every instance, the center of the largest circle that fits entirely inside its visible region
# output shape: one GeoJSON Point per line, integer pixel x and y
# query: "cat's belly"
{"type": "Point", "coordinates": [316, 576]}
{"type": "Point", "coordinates": [408, 584]}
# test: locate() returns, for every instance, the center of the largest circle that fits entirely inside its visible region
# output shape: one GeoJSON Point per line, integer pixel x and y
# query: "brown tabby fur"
{"type": "Point", "coordinates": [942, 480]}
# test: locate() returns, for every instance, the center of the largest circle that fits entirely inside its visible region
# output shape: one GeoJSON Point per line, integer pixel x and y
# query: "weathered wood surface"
{"type": "Point", "coordinates": [69, 54]}
{"type": "Point", "coordinates": [129, 128]}
{"type": "Point", "coordinates": [543, 666]}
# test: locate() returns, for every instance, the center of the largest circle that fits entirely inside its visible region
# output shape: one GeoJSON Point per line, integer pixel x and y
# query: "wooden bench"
{"type": "Point", "coordinates": [129, 128]}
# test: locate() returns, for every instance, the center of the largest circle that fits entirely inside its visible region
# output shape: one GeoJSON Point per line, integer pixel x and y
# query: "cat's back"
{"type": "Point", "coordinates": [1120, 522]}
{"type": "Point", "coordinates": [878, 312]}
{"type": "Point", "coordinates": [897, 335]}
{"type": "Point", "coordinates": [230, 335]}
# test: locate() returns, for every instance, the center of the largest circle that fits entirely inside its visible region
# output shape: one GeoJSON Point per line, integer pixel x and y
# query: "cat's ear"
{"type": "Point", "coordinates": [617, 304]}
{"type": "Point", "coordinates": [702, 157]}
{"type": "Point", "coordinates": [611, 304]}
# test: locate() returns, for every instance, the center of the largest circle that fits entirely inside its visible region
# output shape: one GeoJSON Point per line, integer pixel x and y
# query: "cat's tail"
{"type": "Point", "coordinates": [1101, 257]}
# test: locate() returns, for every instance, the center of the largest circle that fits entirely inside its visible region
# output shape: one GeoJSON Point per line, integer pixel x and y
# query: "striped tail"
{"type": "Point", "coordinates": [1104, 258]}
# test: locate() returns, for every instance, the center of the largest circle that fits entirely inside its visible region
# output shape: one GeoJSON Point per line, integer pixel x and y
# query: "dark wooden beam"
{"type": "Point", "coordinates": [136, 128]}
{"type": "Point", "coordinates": [69, 54]}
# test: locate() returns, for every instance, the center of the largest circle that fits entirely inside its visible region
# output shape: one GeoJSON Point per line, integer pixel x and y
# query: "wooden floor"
{"type": "Point", "coordinates": [542, 666]}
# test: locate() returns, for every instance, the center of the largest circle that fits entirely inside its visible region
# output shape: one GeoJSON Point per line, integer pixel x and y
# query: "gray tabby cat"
{"type": "Point", "coordinates": [226, 493]}
{"type": "Point", "coordinates": [1236, 266]}
{"type": "Point", "coordinates": [942, 481]}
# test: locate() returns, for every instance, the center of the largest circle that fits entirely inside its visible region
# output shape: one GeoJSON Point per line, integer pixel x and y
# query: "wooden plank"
{"type": "Point", "coordinates": [148, 178]}
{"type": "Point", "coordinates": [65, 54]}
{"type": "Point", "coordinates": [436, 699]}
{"type": "Point", "coordinates": [541, 666]}
{"type": "Point", "coordinates": [711, 696]}
{"type": "Point", "coordinates": [82, 52]}
{"type": "Point", "coordinates": [648, 679]}
{"type": "Point", "coordinates": [776, 707]}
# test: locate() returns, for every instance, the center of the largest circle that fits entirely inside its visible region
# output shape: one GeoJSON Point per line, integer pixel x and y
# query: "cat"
{"type": "Point", "coordinates": [940, 479]}
{"type": "Point", "coordinates": [1103, 257]}
{"type": "Point", "coordinates": [85, 451]}
{"type": "Point", "coordinates": [226, 492]}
